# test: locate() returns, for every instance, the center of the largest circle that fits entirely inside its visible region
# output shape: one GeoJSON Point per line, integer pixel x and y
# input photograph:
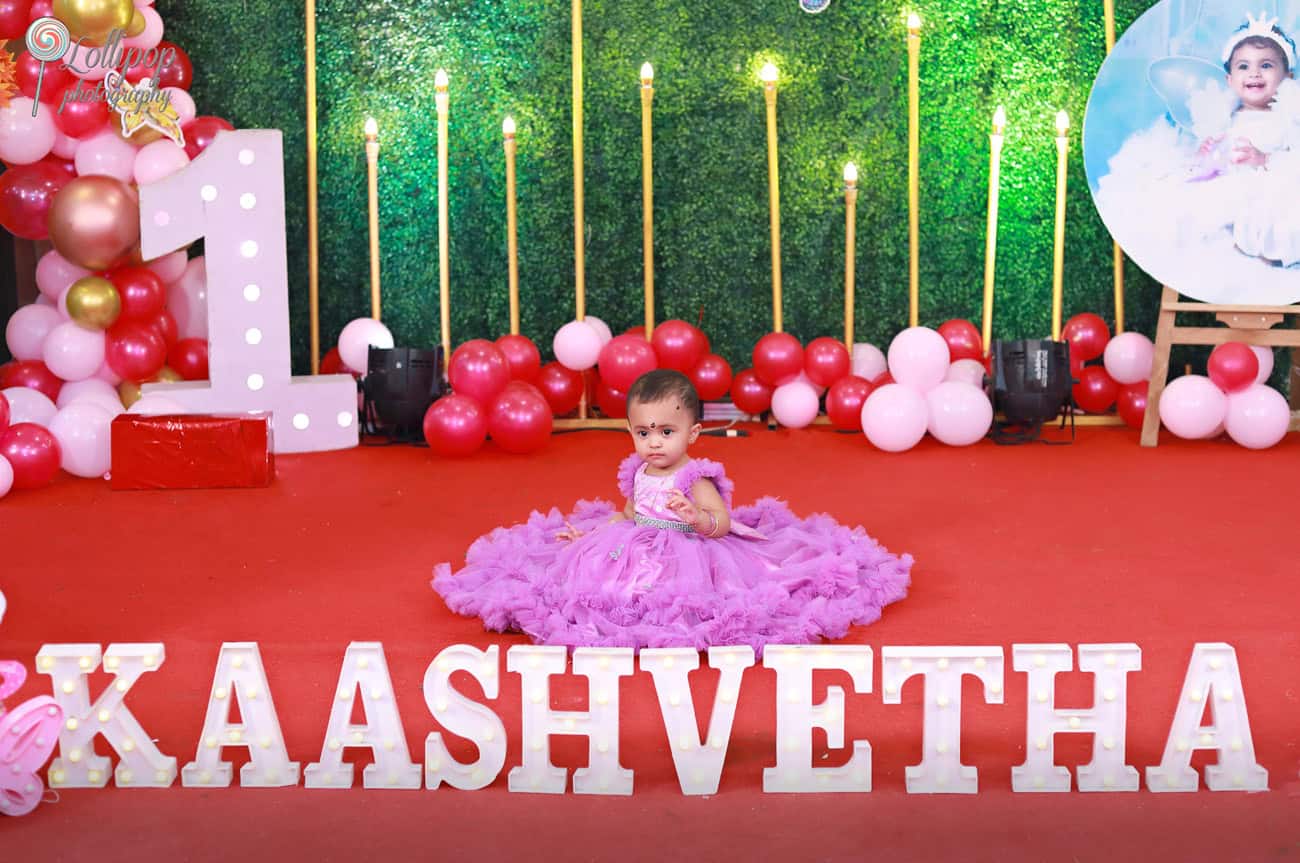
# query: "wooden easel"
{"type": "Point", "coordinates": [1252, 325]}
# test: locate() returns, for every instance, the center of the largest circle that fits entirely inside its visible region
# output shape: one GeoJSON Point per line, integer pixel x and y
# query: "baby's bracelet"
{"type": "Point", "coordinates": [713, 523]}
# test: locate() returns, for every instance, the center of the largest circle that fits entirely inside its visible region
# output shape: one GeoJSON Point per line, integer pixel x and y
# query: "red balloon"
{"type": "Point", "coordinates": [624, 359]}
{"type": "Point", "coordinates": [1233, 366]}
{"type": "Point", "coordinates": [14, 18]}
{"type": "Point", "coordinates": [678, 346]}
{"type": "Point", "coordinates": [778, 358]}
{"type": "Point", "coordinates": [29, 69]}
{"type": "Point", "coordinates": [165, 324]}
{"type": "Point", "coordinates": [826, 360]}
{"type": "Point", "coordinates": [332, 364]}
{"type": "Point", "coordinates": [26, 192]}
{"type": "Point", "coordinates": [179, 71]}
{"type": "Point", "coordinates": [135, 351]}
{"type": "Point", "coordinates": [844, 402]}
{"type": "Point", "coordinates": [41, 9]}
{"type": "Point", "coordinates": [142, 293]}
{"type": "Point", "coordinates": [189, 357]}
{"type": "Point", "coordinates": [519, 420]}
{"type": "Point", "coordinates": [522, 356]}
{"type": "Point", "coordinates": [4, 412]}
{"type": "Point", "coordinates": [64, 165]}
{"type": "Point", "coordinates": [479, 370]}
{"type": "Point", "coordinates": [200, 131]}
{"type": "Point", "coordinates": [77, 116]}
{"type": "Point", "coordinates": [561, 387]}
{"type": "Point", "coordinates": [455, 426]}
{"type": "Point", "coordinates": [964, 341]}
{"type": "Point", "coordinates": [33, 452]}
{"type": "Point", "coordinates": [32, 374]}
{"type": "Point", "coordinates": [1087, 334]}
{"type": "Point", "coordinates": [635, 331]}
{"type": "Point", "coordinates": [1096, 390]}
{"type": "Point", "coordinates": [711, 377]}
{"type": "Point", "coordinates": [612, 402]}
{"type": "Point", "coordinates": [882, 379]}
{"type": "Point", "coordinates": [1132, 403]}
{"type": "Point", "coordinates": [749, 393]}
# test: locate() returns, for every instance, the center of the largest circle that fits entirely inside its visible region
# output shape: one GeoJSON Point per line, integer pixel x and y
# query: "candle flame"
{"type": "Point", "coordinates": [508, 127]}
{"type": "Point", "coordinates": [999, 120]}
{"type": "Point", "coordinates": [647, 74]}
{"type": "Point", "coordinates": [372, 128]}
{"type": "Point", "coordinates": [913, 23]}
{"type": "Point", "coordinates": [768, 74]}
{"type": "Point", "coordinates": [1062, 122]}
{"type": "Point", "coordinates": [850, 172]}
{"type": "Point", "coordinates": [440, 80]}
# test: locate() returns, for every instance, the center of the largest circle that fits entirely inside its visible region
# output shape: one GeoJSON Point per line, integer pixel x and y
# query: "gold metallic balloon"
{"type": "Point", "coordinates": [168, 375]}
{"type": "Point", "coordinates": [137, 25]}
{"type": "Point", "coordinates": [94, 221]}
{"type": "Point", "coordinates": [94, 20]}
{"type": "Point", "coordinates": [129, 393]}
{"type": "Point", "coordinates": [94, 303]}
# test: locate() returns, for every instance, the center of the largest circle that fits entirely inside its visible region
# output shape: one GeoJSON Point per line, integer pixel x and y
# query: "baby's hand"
{"type": "Point", "coordinates": [682, 507]}
{"type": "Point", "coordinates": [1244, 153]}
{"type": "Point", "coordinates": [569, 534]}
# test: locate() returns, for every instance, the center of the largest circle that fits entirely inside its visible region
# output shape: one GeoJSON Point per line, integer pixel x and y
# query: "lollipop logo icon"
{"type": "Point", "coordinates": [48, 40]}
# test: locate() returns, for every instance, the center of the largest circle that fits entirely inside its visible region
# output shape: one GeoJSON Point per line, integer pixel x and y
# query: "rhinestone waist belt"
{"type": "Point", "coordinates": [679, 526]}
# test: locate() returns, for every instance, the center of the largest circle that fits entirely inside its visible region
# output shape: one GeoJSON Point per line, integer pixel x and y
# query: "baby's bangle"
{"type": "Point", "coordinates": [713, 523]}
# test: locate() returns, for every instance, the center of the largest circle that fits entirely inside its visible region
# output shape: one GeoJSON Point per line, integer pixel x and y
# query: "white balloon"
{"type": "Point", "coordinates": [6, 483]}
{"type": "Point", "coordinates": [73, 352]}
{"type": "Point", "coordinates": [356, 340]}
{"type": "Point", "coordinates": [1265, 356]}
{"type": "Point", "coordinates": [606, 334]}
{"type": "Point", "coordinates": [187, 300]}
{"type": "Point", "coordinates": [28, 329]}
{"type": "Point", "coordinates": [27, 405]}
{"type": "Point", "coordinates": [93, 390]}
{"type": "Point", "coordinates": [966, 371]}
{"type": "Point", "coordinates": [82, 430]}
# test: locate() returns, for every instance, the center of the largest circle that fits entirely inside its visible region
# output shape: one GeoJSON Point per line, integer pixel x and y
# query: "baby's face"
{"type": "Point", "coordinates": [661, 431]}
{"type": "Point", "coordinates": [1254, 74]}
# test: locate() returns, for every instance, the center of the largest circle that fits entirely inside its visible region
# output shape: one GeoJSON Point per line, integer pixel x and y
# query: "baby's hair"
{"type": "Point", "coordinates": [662, 384]}
{"type": "Point", "coordinates": [1262, 42]}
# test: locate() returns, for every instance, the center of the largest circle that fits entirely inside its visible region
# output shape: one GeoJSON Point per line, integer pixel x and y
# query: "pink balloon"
{"type": "Point", "coordinates": [187, 300]}
{"type": "Point", "coordinates": [1258, 417]}
{"type": "Point", "coordinates": [918, 357]}
{"type": "Point", "coordinates": [1265, 356]}
{"type": "Point", "coordinates": [1128, 358]}
{"type": "Point", "coordinates": [55, 274]}
{"type": "Point", "coordinates": [23, 138]}
{"type": "Point", "coordinates": [152, 33]}
{"type": "Point", "coordinates": [868, 361]}
{"type": "Point", "coordinates": [65, 147]}
{"type": "Point", "coordinates": [82, 430]}
{"type": "Point", "coordinates": [169, 268]}
{"type": "Point", "coordinates": [967, 372]}
{"type": "Point", "coordinates": [1192, 406]}
{"type": "Point", "coordinates": [72, 352]}
{"type": "Point", "coordinates": [107, 375]}
{"type": "Point", "coordinates": [959, 414]}
{"type": "Point", "coordinates": [92, 389]}
{"type": "Point", "coordinates": [601, 327]}
{"type": "Point", "coordinates": [183, 102]}
{"type": "Point", "coordinates": [4, 412]}
{"type": "Point", "coordinates": [6, 475]}
{"type": "Point", "coordinates": [577, 345]}
{"type": "Point", "coordinates": [27, 330]}
{"type": "Point", "coordinates": [158, 160]}
{"type": "Point", "coordinates": [107, 154]}
{"type": "Point", "coordinates": [894, 417]}
{"type": "Point", "coordinates": [794, 405]}
{"type": "Point", "coordinates": [27, 405]}
{"type": "Point", "coordinates": [356, 340]}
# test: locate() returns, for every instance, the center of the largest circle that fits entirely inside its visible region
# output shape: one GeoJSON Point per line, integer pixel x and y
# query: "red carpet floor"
{"type": "Point", "coordinates": [1095, 542]}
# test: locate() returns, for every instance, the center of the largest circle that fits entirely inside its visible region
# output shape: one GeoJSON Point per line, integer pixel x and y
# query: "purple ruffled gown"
{"type": "Point", "coordinates": [653, 582]}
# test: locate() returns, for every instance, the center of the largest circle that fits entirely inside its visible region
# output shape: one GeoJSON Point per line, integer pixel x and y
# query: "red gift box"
{"type": "Point", "coordinates": [192, 451]}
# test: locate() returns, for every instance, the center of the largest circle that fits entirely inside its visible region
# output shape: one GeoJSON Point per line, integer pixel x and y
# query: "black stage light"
{"type": "Point", "coordinates": [399, 386]}
{"type": "Point", "coordinates": [1031, 385]}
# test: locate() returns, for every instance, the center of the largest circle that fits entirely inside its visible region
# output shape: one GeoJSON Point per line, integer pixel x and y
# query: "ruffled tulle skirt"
{"type": "Point", "coordinates": [630, 585]}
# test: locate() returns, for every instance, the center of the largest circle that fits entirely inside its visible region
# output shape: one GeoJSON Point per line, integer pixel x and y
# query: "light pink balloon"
{"type": "Point", "coordinates": [358, 337]}
{"type": "Point", "coordinates": [919, 357]}
{"type": "Point", "coordinates": [577, 345]}
{"type": "Point", "coordinates": [158, 160]}
{"type": "Point", "coordinates": [28, 328]}
{"type": "Point", "coordinates": [802, 378]}
{"type": "Point", "coordinates": [606, 335]}
{"type": "Point", "coordinates": [868, 361]}
{"type": "Point", "coordinates": [894, 417]}
{"type": "Point", "coordinates": [1128, 358]}
{"type": "Point", "coordinates": [183, 102]}
{"type": "Point", "coordinates": [107, 375]}
{"type": "Point", "coordinates": [1258, 417]}
{"type": "Point", "coordinates": [187, 300]}
{"type": "Point", "coordinates": [1265, 356]}
{"type": "Point", "coordinates": [91, 389]}
{"type": "Point", "coordinates": [82, 430]}
{"type": "Point", "coordinates": [55, 273]}
{"type": "Point", "coordinates": [26, 405]}
{"type": "Point", "coordinates": [6, 476]}
{"type": "Point", "coordinates": [73, 352]}
{"type": "Point", "coordinates": [794, 405]}
{"type": "Point", "coordinates": [1192, 406]}
{"type": "Point", "coordinates": [23, 138]}
{"type": "Point", "coordinates": [966, 371]}
{"type": "Point", "coordinates": [108, 155]}
{"type": "Point", "coordinates": [43, 300]}
{"type": "Point", "coordinates": [169, 268]}
{"type": "Point", "coordinates": [61, 304]}
{"type": "Point", "coordinates": [152, 33]}
{"type": "Point", "coordinates": [65, 147]}
{"type": "Point", "coordinates": [959, 414]}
